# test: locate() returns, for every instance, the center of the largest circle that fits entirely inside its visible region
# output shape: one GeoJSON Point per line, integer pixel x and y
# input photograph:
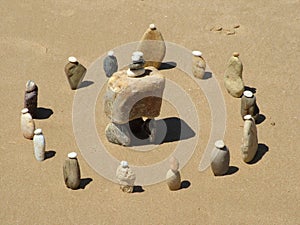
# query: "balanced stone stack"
{"type": "Point", "coordinates": [71, 171]}
{"type": "Point", "coordinates": [27, 124]}
{"type": "Point", "coordinates": [199, 65]}
{"type": "Point", "coordinates": [233, 79]}
{"type": "Point", "coordinates": [173, 175]}
{"type": "Point", "coordinates": [75, 72]}
{"type": "Point", "coordinates": [153, 46]}
{"type": "Point", "coordinates": [126, 177]}
{"type": "Point", "coordinates": [39, 145]}
{"type": "Point", "coordinates": [131, 95]}
{"type": "Point", "coordinates": [248, 105]}
{"type": "Point", "coordinates": [220, 159]}
{"type": "Point", "coordinates": [30, 98]}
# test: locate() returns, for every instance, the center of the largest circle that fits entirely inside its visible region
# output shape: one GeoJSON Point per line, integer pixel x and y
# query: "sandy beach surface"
{"type": "Point", "coordinates": [36, 39]}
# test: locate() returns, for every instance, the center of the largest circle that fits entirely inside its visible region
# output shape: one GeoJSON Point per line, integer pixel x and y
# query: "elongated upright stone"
{"type": "Point", "coordinates": [39, 144]}
{"type": "Point", "coordinates": [233, 79]}
{"type": "Point", "coordinates": [110, 64]}
{"type": "Point", "coordinates": [250, 141]}
{"type": "Point", "coordinates": [153, 46]}
{"type": "Point", "coordinates": [248, 105]}
{"type": "Point", "coordinates": [71, 171]}
{"type": "Point", "coordinates": [126, 177]}
{"type": "Point", "coordinates": [128, 98]}
{"type": "Point", "coordinates": [27, 124]}
{"type": "Point", "coordinates": [75, 72]}
{"type": "Point", "coordinates": [173, 175]}
{"type": "Point", "coordinates": [31, 97]}
{"type": "Point", "coordinates": [220, 159]}
{"type": "Point", "coordinates": [199, 65]}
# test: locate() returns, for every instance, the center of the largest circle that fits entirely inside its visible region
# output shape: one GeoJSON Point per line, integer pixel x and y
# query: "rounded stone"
{"type": "Point", "coordinates": [219, 144]}
{"type": "Point", "coordinates": [30, 85]}
{"type": "Point", "coordinates": [110, 53]}
{"type": "Point", "coordinates": [25, 110]}
{"type": "Point", "coordinates": [124, 164]}
{"type": "Point", "coordinates": [236, 54]}
{"type": "Point", "coordinates": [72, 59]}
{"type": "Point", "coordinates": [72, 155]}
{"type": "Point", "coordinates": [152, 26]}
{"type": "Point", "coordinates": [197, 53]}
{"type": "Point", "coordinates": [247, 117]}
{"type": "Point", "coordinates": [248, 94]}
{"type": "Point", "coordinates": [38, 131]}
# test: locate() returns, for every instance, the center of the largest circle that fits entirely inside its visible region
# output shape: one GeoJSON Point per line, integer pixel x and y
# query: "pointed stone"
{"type": "Point", "coordinates": [110, 64]}
{"type": "Point", "coordinates": [75, 72]}
{"type": "Point", "coordinates": [153, 46]}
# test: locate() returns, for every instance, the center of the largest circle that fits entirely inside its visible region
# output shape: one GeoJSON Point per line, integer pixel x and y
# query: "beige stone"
{"type": "Point", "coordinates": [173, 180]}
{"type": "Point", "coordinates": [27, 124]}
{"type": "Point", "coordinates": [71, 171]}
{"type": "Point", "coordinates": [199, 65]}
{"type": "Point", "coordinates": [129, 98]}
{"type": "Point", "coordinates": [233, 79]}
{"type": "Point", "coordinates": [153, 46]}
{"type": "Point", "coordinates": [126, 177]}
{"type": "Point", "coordinates": [173, 175]}
{"type": "Point", "coordinates": [250, 142]}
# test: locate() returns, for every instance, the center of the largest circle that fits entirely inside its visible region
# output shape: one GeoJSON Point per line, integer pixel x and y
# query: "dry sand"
{"type": "Point", "coordinates": [38, 36]}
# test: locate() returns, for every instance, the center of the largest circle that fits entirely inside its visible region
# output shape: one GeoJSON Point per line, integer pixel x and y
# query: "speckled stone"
{"type": "Point", "coordinates": [233, 80]}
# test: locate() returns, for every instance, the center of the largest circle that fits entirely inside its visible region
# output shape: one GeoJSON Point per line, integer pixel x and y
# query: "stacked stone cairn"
{"type": "Point", "coordinates": [132, 95]}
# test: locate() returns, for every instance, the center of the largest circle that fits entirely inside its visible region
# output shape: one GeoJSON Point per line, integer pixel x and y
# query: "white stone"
{"type": "Point", "coordinates": [72, 59]}
{"type": "Point", "coordinates": [72, 155]}
{"type": "Point", "coordinates": [39, 145]}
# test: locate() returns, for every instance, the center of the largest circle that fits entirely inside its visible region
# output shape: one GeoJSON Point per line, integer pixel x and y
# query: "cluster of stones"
{"type": "Point", "coordinates": [234, 84]}
{"type": "Point", "coordinates": [71, 171]}
{"type": "Point", "coordinates": [28, 128]}
{"type": "Point", "coordinates": [135, 94]}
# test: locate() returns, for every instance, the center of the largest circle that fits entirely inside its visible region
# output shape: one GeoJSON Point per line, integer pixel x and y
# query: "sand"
{"type": "Point", "coordinates": [36, 39]}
